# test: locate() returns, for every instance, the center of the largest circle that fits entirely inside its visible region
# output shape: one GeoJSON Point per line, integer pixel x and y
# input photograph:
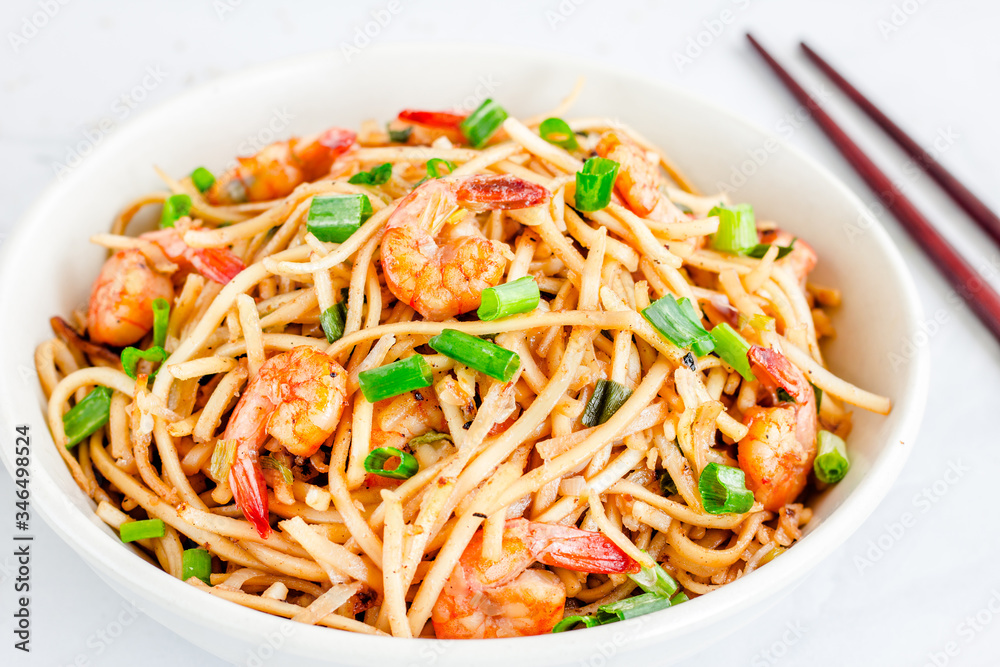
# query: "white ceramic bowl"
{"type": "Point", "coordinates": [48, 267]}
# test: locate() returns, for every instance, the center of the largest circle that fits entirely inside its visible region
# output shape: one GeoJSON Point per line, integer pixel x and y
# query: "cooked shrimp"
{"type": "Point", "coordinates": [638, 180]}
{"type": "Point", "coordinates": [778, 451]}
{"type": "Point", "coordinates": [297, 397]}
{"type": "Point", "coordinates": [487, 598]}
{"type": "Point", "coordinates": [397, 420]}
{"type": "Point", "coordinates": [441, 281]}
{"type": "Point", "coordinates": [120, 311]}
{"type": "Point", "coordinates": [218, 264]}
{"type": "Point", "coordinates": [426, 126]}
{"type": "Point", "coordinates": [279, 168]}
{"type": "Point", "coordinates": [800, 261]}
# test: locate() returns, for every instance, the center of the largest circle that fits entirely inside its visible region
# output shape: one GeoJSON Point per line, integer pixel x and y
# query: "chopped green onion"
{"type": "Point", "coordinates": [396, 378]}
{"type": "Point", "coordinates": [759, 250]}
{"type": "Point", "coordinates": [732, 348]}
{"type": "Point", "coordinates": [819, 396]}
{"type": "Point", "coordinates": [831, 462]}
{"type": "Point", "coordinates": [333, 320]}
{"type": "Point", "coordinates": [132, 355]}
{"type": "Point", "coordinates": [594, 183]}
{"type": "Point", "coordinates": [142, 530]}
{"type": "Point", "coordinates": [557, 131]}
{"type": "Point", "coordinates": [435, 168]}
{"type": "Point", "coordinates": [375, 463]}
{"type": "Point", "coordinates": [737, 231]}
{"type": "Point", "coordinates": [428, 438]}
{"type": "Point", "coordinates": [222, 459]}
{"type": "Point", "coordinates": [482, 123]}
{"type": "Point", "coordinates": [679, 322]}
{"type": "Point", "coordinates": [272, 463]}
{"type": "Point", "coordinates": [87, 416]}
{"type": "Point", "coordinates": [631, 607]}
{"type": "Point", "coordinates": [196, 563]}
{"type": "Point", "coordinates": [202, 178]}
{"type": "Point", "coordinates": [333, 218]}
{"type": "Point", "coordinates": [679, 598]}
{"type": "Point", "coordinates": [571, 622]}
{"type": "Point", "coordinates": [174, 208]}
{"type": "Point", "coordinates": [667, 485]}
{"type": "Point", "coordinates": [517, 296]}
{"type": "Point", "coordinates": [486, 357]}
{"type": "Point", "coordinates": [655, 580]}
{"type": "Point", "coordinates": [377, 176]}
{"type": "Point", "coordinates": [784, 396]}
{"type": "Point", "coordinates": [607, 398]}
{"type": "Point", "coordinates": [592, 411]}
{"type": "Point", "coordinates": [161, 318]}
{"type": "Point", "coordinates": [723, 490]}
{"type": "Point", "coordinates": [399, 136]}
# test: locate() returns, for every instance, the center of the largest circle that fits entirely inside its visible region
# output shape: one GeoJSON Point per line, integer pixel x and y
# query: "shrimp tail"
{"type": "Point", "coordinates": [779, 371]}
{"type": "Point", "coordinates": [246, 479]}
{"type": "Point", "coordinates": [578, 550]}
{"type": "Point", "coordinates": [495, 192]}
{"type": "Point", "coordinates": [438, 119]}
{"type": "Point", "coordinates": [218, 264]}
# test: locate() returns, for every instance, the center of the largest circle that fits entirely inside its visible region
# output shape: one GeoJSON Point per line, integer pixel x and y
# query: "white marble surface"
{"type": "Point", "coordinates": [915, 599]}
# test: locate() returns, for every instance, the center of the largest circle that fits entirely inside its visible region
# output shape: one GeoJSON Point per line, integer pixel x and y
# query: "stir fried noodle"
{"type": "Point", "coordinates": [463, 376]}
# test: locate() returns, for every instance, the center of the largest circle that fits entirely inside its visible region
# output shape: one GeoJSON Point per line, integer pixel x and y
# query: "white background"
{"type": "Point", "coordinates": [894, 594]}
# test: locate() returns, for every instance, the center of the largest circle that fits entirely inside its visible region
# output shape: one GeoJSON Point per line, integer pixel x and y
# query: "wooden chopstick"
{"type": "Point", "coordinates": [969, 285]}
{"type": "Point", "coordinates": [973, 205]}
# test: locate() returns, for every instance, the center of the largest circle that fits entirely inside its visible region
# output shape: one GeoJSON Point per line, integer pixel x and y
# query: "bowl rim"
{"type": "Point", "coordinates": [94, 542]}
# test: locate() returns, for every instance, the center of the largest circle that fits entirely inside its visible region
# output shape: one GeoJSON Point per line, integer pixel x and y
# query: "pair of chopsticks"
{"type": "Point", "coordinates": [973, 289]}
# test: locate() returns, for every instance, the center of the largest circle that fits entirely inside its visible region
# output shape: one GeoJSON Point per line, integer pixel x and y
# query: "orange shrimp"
{"type": "Point", "coordinates": [800, 261]}
{"type": "Point", "coordinates": [778, 451]}
{"type": "Point", "coordinates": [485, 598]}
{"type": "Point", "coordinates": [443, 280]}
{"type": "Point", "coordinates": [120, 311]}
{"type": "Point", "coordinates": [297, 397]}
{"type": "Point", "coordinates": [397, 420]}
{"type": "Point", "coordinates": [426, 126]}
{"type": "Point", "coordinates": [279, 168]}
{"type": "Point", "coordinates": [638, 180]}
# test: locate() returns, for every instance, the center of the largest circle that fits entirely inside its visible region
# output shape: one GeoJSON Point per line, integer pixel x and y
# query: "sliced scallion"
{"type": "Point", "coordinates": [481, 355]}
{"type": "Point", "coordinates": [196, 563]}
{"type": "Point", "coordinates": [679, 322]}
{"type": "Point", "coordinates": [142, 530]}
{"type": "Point", "coordinates": [631, 607]}
{"type": "Point", "coordinates": [594, 183]}
{"type": "Point", "coordinates": [222, 458]}
{"type": "Point", "coordinates": [557, 131]}
{"type": "Point", "coordinates": [732, 348]}
{"type": "Point", "coordinates": [571, 622]}
{"type": "Point", "coordinates": [161, 318]}
{"type": "Point", "coordinates": [376, 176]}
{"type": "Point", "coordinates": [436, 168]}
{"type": "Point", "coordinates": [400, 136]}
{"type": "Point", "coordinates": [333, 218]}
{"type": "Point", "coordinates": [679, 598]}
{"type": "Point", "coordinates": [723, 490]}
{"type": "Point", "coordinates": [428, 438]}
{"type": "Point", "coordinates": [737, 233]}
{"type": "Point", "coordinates": [607, 398]}
{"type": "Point", "coordinates": [759, 250]}
{"type": "Point", "coordinates": [517, 296]}
{"type": "Point", "coordinates": [592, 411]}
{"type": "Point", "coordinates": [87, 416]}
{"type": "Point", "coordinates": [482, 123]}
{"type": "Point", "coordinates": [396, 378]}
{"type": "Point", "coordinates": [375, 463]}
{"type": "Point", "coordinates": [202, 178]}
{"type": "Point", "coordinates": [175, 207]}
{"type": "Point", "coordinates": [819, 396]}
{"type": "Point", "coordinates": [132, 355]}
{"type": "Point", "coordinates": [272, 463]}
{"type": "Point", "coordinates": [667, 485]}
{"type": "Point", "coordinates": [655, 580]}
{"type": "Point", "coordinates": [333, 320]}
{"type": "Point", "coordinates": [831, 462]}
